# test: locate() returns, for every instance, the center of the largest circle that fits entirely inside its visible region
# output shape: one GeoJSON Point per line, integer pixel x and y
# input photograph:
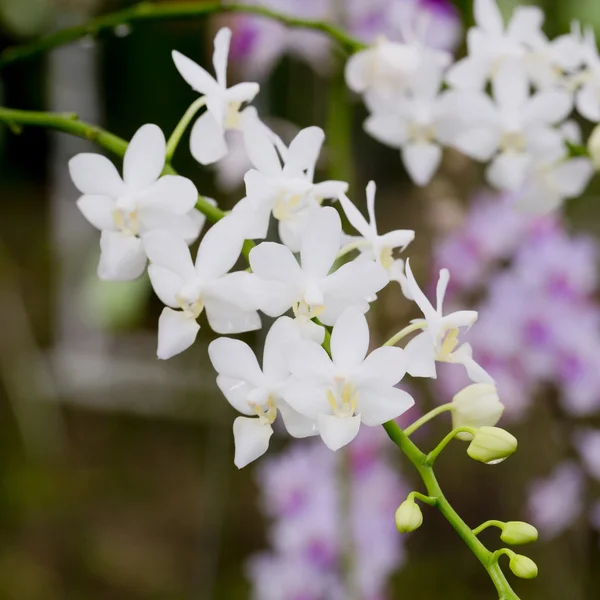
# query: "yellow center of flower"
{"type": "Point", "coordinates": [192, 308]}
{"type": "Point", "coordinates": [343, 398]}
{"type": "Point", "coordinates": [128, 222]}
{"type": "Point", "coordinates": [267, 412]}
{"type": "Point", "coordinates": [386, 258]}
{"type": "Point", "coordinates": [286, 206]}
{"type": "Point", "coordinates": [233, 118]}
{"type": "Point", "coordinates": [303, 310]}
{"type": "Point", "coordinates": [513, 140]}
{"type": "Point", "coordinates": [448, 346]}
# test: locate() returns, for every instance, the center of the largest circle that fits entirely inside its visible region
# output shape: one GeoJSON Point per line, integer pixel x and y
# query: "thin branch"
{"type": "Point", "coordinates": [70, 123]}
{"type": "Point", "coordinates": [162, 11]}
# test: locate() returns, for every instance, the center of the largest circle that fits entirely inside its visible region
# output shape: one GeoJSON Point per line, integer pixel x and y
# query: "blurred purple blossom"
{"type": "Point", "coordinates": [300, 491]}
{"type": "Point", "coordinates": [259, 43]}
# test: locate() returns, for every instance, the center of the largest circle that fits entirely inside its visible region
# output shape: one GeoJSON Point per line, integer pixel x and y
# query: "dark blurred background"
{"type": "Point", "coordinates": [116, 471]}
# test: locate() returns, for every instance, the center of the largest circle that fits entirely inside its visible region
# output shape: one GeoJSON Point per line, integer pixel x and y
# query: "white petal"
{"type": "Point", "coordinates": [460, 318]}
{"type": "Point", "coordinates": [525, 23]}
{"type": "Point", "coordinates": [336, 432]}
{"type": "Point", "coordinates": [261, 190]}
{"type": "Point", "coordinates": [235, 359]}
{"type": "Point", "coordinates": [237, 288]}
{"type": "Point", "coordinates": [306, 398]}
{"type": "Point", "coordinates": [254, 222]}
{"type": "Point", "coordinates": [166, 284]}
{"type": "Point", "coordinates": [572, 177]}
{"type": "Point", "coordinates": [355, 216]}
{"type": "Point", "coordinates": [122, 257]}
{"type": "Point", "coordinates": [169, 251]}
{"type": "Point", "coordinates": [588, 102]}
{"type": "Point", "coordinates": [274, 298]}
{"type": "Point", "coordinates": [397, 239]}
{"type": "Point", "coordinates": [251, 440]}
{"type": "Point", "coordinates": [242, 92]}
{"type": "Point", "coordinates": [275, 262]}
{"type": "Point", "coordinates": [220, 54]}
{"type": "Point", "coordinates": [378, 405]}
{"type": "Point", "coordinates": [421, 161]}
{"type": "Point", "coordinates": [488, 16]}
{"type": "Point", "coordinates": [325, 190]}
{"type": "Point", "coordinates": [236, 393]}
{"type": "Point", "coordinates": [145, 157]}
{"type": "Point", "coordinates": [420, 356]}
{"type": "Point", "coordinates": [321, 242]}
{"type": "Point", "coordinates": [304, 151]}
{"type": "Point", "coordinates": [308, 361]}
{"type": "Point", "coordinates": [227, 318]}
{"type": "Point", "coordinates": [282, 333]}
{"type": "Point", "coordinates": [176, 333]}
{"type": "Point", "coordinates": [464, 355]}
{"type": "Point", "coordinates": [469, 73]}
{"type": "Point", "coordinates": [391, 130]}
{"type": "Point", "coordinates": [207, 140]}
{"type": "Point", "coordinates": [422, 301]}
{"type": "Point", "coordinates": [197, 77]}
{"type": "Point", "coordinates": [480, 143]}
{"type": "Point", "coordinates": [173, 193]}
{"type": "Point", "coordinates": [552, 106]}
{"type": "Point", "coordinates": [509, 170]}
{"type": "Point", "coordinates": [310, 331]}
{"type": "Point", "coordinates": [385, 367]}
{"type": "Point", "coordinates": [357, 69]}
{"type": "Point", "coordinates": [98, 210]}
{"type": "Point", "coordinates": [261, 150]}
{"type": "Point", "coordinates": [350, 340]}
{"type": "Point", "coordinates": [220, 248]}
{"type": "Point", "coordinates": [186, 227]}
{"type": "Point", "coordinates": [297, 425]}
{"type": "Point", "coordinates": [96, 175]}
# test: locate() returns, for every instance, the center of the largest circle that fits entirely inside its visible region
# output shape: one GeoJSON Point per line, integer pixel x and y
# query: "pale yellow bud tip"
{"type": "Point", "coordinates": [523, 567]}
{"type": "Point", "coordinates": [491, 445]}
{"type": "Point", "coordinates": [408, 516]}
{"type": "Point", "coordinates": [518, 532]}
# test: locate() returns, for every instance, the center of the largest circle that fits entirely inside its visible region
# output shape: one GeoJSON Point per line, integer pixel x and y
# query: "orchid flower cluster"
{"type": "Point", "coordinates": [300, 492]}
{"type": "Point", "coordinates": [421, 101]}
{"type": "Point", "coordinates": [541, 283]}
{"type": "Point", "coordinates": [319, 375]}
{"type": "Point", "coordinates": [149, 219]}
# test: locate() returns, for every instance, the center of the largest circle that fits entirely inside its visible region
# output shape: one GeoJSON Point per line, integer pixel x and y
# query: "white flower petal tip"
{"type": "Point", "coordinates": [336, 432]}
{"type": "Point", "coordinates": [251, 438]}
{"type": "Point", "coordinates": [176, 333]}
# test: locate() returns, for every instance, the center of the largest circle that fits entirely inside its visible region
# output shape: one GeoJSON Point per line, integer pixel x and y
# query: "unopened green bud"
{"type": "Point", "coordinates": [491, 445]}
{"type": "Point", "coordinates": [518, 532]}
{"type": "Point", "coordinates": [594, 147]}
{"type": "Point", "coordinates": [408, 516]}
{"type": "Point", "coordinates": [477, 405]}
{"type": "Point", "coordinates": [523, 567]}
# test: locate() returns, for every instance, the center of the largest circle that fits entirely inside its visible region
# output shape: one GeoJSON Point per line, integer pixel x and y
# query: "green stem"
{"type": "Point", "coordinates": [182, 126]}
{"type": "Point", "coordinates": [423, 498]}
{"type": "Point", "coordinates": [70, 123]}
{"type": "Point", "coordinates": [487, 524]}
{"type": "Point", "coordinates": [432, 456]}
{"type": "Point", "coordinates": [427, 417]}
{"type": "Point", "coordinates": [419, 460]}
{"type": "Point", "coordinates": [158, 11]}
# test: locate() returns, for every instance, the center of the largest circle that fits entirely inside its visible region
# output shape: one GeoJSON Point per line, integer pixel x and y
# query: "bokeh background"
{"type": "Point", "coordinates": [116, 471]}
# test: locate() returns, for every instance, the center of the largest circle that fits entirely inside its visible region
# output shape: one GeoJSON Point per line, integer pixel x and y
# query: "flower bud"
{"type": "Point", "coordinates": [594, 147]}
{"type": "Point", "coordinates": [492, 445]}
{"type": "Point", "coordinates": [408, 516]}
{"type": "Point", "coordinates": [518, 532]}
{"type": "Point", "coordinates": [476, 405]}
{"type": "Point", "coordinates": [523, 567]}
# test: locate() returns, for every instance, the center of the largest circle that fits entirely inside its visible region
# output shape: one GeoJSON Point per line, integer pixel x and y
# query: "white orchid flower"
{"type": "Point", "coordinates": [341, 392]}
{"type": "Point", "coordinates": [258, 393]}
{"type": "Point", "coordinates": [490, 43]}
{"type": "Point", "coordinates": [439, 340]}
{"type": "Point", "coordinates": [282, 181]}
{"type": "Point", "coordinates": [418, 124]}
{"type": "Point", "coordinates": [588, 96]}
{"type": "Point", "coordinates": [515, 131]}
{"type": "Point", "coordinates": [223, 104]}
{"type": "Point", "coordinates": [371, 244]}
{"type": "Point", "coordinates": [550, 183]}
{"type": "Point", "coordinates": [308, 288]}
{"type": "Point", "coordinates": [124, 209]}
{"type": "Point", "coordinates": [206, 285]}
